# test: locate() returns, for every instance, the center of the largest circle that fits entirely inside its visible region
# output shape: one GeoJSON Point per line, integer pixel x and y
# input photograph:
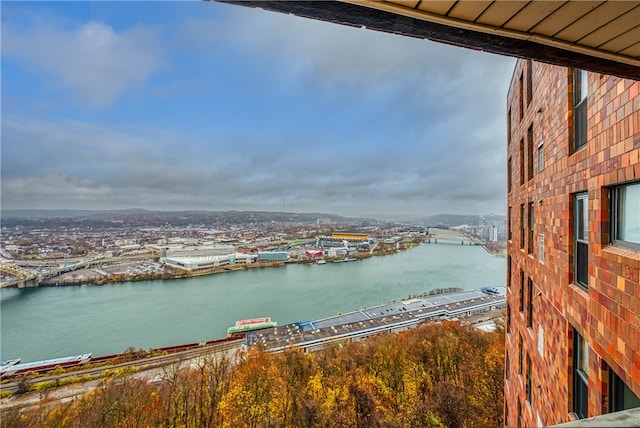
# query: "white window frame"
{"type": "Point", "coordinates": [540, 151]}
{"type": "Point", "coordinates": [580, 92]}
{"type": "Point", "coordinates": [581, 237]}
{"type": "Point", "coordinates": [628, 212]}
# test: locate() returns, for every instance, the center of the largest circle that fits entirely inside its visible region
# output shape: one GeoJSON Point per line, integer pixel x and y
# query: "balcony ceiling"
{"type": "Point", "coordinates": [601, 36]}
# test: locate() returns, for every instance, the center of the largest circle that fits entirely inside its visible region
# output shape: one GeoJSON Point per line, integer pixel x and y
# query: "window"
{"type": "Point", "coordinates": [528, 380]}
{"type": "Point", "coordinates": [508, 271]}
{"type": "Point", "coordinates": [507, 366]}
{"type": "Point", "coordinates": [520, 424]}
{"type": "Point", "coordinates": [540, 340]}
{"type": "Point", "coordinates": [620, 395]}
{"type": "Point", "coordinates": [541, 247]}
{"type": "Point", "coordinates": [522, 292]}
{"type": "Point", "coordinates": [506, 414]}
{"type": "Point", "coordinates": [509, 223]}
{"type": "Point", "coordinates": [580, 92]}
{"type": "Point", "coordinates": [522, 161]}
{"type": "Point", "coordinates": [509, 126]}
{"type": "Point", "coordinates": [581, 240]}
{"type": "Point", "coordinates": [530, 152]}
{"type": "Point", "coordinates": [521, 90]}
{"type": "Point", "coordinates": [529, 82]}
{"type": "Point", "coordinates": [541, 157]}
{"type": "Point", "coordinates": [508, 318]}
{"type": "Point", "coordinates": [530, 303]}
{"type": "Point", "coordinates": [520, 351]}
{"type": "Point", "coordinates": [509, 174]}
{"type": "Point", "coordinates": [580, 375]}
{"type": "Point", "coordinates": [625, 219]}
{"type": "Point", "coordinates": [531, 224]}
{"type": "Point", "coordinates": [522, 226]}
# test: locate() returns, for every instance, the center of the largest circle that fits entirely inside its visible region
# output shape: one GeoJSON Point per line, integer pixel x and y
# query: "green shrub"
{"type": "Point", "coordinates": [41, 386]}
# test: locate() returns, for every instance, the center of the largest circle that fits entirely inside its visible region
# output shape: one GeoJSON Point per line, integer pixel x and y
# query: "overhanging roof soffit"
{"type": "Point", "coordinates": [601, 36]}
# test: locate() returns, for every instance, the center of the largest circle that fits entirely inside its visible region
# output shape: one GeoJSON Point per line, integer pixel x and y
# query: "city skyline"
{"type": "Point", "coordinates": [209, 106]}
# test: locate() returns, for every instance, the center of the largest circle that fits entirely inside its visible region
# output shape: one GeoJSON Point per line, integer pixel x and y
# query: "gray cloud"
{"type": "Point", "coordinates": [93, 61]}
{"type": "Point", "coordinates": [434, 141]}
{"type": "Point", "coordinates": [448, 102]}
{"type": "Point", "coordinates": [93, 166]}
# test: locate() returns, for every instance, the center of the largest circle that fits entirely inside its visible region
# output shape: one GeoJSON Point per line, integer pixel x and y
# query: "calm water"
{"type": "Point", "coordinates": [53, 322]}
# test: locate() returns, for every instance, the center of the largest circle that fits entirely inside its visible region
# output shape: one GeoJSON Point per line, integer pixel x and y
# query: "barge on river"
{"type": "Point", "coordinates": [252, 324]}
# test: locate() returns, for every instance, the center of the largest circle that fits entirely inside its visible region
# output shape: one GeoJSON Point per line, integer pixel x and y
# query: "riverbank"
{"type": "Point", "coordinates": [495, 252]}
{"type": "Point", "coordinates": [152, 269]}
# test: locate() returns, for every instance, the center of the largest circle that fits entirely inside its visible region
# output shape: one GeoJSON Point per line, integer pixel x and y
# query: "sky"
{"type": "Point", "coordinates": [210, 106]}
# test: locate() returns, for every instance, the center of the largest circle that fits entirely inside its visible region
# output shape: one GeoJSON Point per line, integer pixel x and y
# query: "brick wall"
{"type": "Point", "coordinates": [607, 315]}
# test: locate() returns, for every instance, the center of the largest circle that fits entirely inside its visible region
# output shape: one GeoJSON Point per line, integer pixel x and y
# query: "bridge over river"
{"type": "Point", "coordinates": [445, 236]}
{"type": "Point", "coordinates": [19, 277]}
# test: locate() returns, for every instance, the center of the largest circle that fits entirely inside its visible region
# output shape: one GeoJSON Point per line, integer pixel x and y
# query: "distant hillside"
{"type": "Point", "coordinates": [452, 220]}
{"type": "Point", "coordinates": [33, 214]}
{"type": "Point", "coordinates": [140, 217]}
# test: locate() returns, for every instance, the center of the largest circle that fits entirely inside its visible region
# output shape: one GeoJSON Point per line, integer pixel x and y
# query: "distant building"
{"type": "Point", "coordinates": [272, 256]}
{"type": "Point", "coordinates": [337, 252]}
{"type": "Point", "coordinates": [350, 240]}
{"type": "Point", "coordinates": [195, 263]}
{"type": "Point", "coordinates": [350, 236]}
{"type": "Point", "coordinates": [197, 251]}
{"type": "Point", "coordinates": [493, 233]}
{"type": "Point", "coordinates": [573, 250]}
{"type": "Point", "coordinates": [313, 253]}
{"type": "Point", "coordinates": [329, 241]}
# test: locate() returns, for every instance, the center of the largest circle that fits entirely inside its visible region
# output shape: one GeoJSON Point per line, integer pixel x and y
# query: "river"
{"type": "Point", "coordinates": [51, 322]}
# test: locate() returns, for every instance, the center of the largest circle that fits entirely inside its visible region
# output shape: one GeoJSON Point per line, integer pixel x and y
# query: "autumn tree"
{"type": "Point", "coordinates": [257, 396]}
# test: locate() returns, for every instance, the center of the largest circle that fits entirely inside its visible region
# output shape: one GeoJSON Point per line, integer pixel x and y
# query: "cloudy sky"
{"type": "Point", "coordinates": [203, 105]}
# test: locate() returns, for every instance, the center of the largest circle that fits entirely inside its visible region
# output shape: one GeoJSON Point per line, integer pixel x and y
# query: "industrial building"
{"type": "Point", "coordinates": [348, 236]}
{"type": "Point", "coordinates": [346, 240]}
{"type": "Point", "coordinates": [272, 256]}
{"type": "Point", "coordinates": [207, 262]}
{"type": "Point", "coordinates": [573, 251]}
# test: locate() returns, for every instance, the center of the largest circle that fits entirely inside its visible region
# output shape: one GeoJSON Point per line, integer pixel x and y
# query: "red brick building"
{"type": "Point", "coordinates": [573, 288]}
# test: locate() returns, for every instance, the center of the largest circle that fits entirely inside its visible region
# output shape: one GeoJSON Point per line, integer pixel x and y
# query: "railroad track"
{"type": "Point", "coordinates": [143, 364]}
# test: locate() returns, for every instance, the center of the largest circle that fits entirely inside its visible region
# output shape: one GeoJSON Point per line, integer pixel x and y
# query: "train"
{"type": "Point", "coordinates": [13, 371]}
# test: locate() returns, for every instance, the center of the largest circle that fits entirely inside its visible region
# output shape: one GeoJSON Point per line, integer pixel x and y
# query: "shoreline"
{"type": "Point", "coordinates": [177, 273]}
{"type": "Point", "coordinates": [174, 273]}
{"type": "Point", "coordinates": [494, 253]}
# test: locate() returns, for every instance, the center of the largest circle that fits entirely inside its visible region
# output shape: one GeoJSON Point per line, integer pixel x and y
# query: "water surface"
{"type": "Point", "coordinates": [52, 322]}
